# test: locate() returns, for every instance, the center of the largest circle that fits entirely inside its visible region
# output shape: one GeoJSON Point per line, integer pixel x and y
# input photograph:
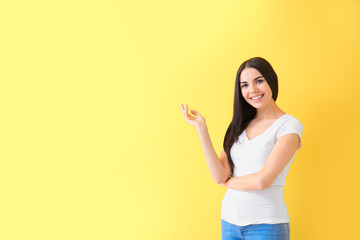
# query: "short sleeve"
{"type": "Point", "coordinates": [291, 126]}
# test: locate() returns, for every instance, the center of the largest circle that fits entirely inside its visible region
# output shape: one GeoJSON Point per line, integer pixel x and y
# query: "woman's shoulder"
{"type": "Point", "coordinates": [289, 117]}
{"type": "Point", "coordinates": [290, 121]}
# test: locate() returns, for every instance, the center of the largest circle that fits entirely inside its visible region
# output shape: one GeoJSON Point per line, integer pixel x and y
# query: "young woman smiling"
{"type": "Point", "coordinates": [259, 146]}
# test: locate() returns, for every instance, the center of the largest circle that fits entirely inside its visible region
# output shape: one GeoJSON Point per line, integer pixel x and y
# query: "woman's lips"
{"type": "Point", "coordinates": [258, 99]}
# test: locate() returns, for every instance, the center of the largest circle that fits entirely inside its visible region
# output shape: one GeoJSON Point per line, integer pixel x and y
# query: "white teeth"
{"type": "Point", "coordinates": [257, 97]}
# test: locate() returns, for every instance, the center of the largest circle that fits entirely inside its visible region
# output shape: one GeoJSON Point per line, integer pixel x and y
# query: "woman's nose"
{"type": "Point", "coordinates": [253, 89]}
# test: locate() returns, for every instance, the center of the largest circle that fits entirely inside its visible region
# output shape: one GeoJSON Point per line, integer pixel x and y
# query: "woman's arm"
{"type": "Point", "coordinates": [280, 156]}
{"type": "Point", "coordinates": [219, 167]}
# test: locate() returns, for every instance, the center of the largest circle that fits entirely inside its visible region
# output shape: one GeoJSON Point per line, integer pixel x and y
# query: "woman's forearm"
{"type": "Point", "coordinates": [245, 183]}
{"type": "Point", "coordinates": [217, 170]}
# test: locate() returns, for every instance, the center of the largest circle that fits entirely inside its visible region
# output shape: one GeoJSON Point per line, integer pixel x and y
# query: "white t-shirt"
{"type": "Point", "coordinates": [259, 206]}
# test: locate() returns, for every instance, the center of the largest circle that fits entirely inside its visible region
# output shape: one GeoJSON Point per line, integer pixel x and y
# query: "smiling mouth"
{"type": "Point", "coordinates": [257, 98]}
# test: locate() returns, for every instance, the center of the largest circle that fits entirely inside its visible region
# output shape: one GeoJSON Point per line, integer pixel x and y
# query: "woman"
{"type": "Point", "coordinates": [259, 146]}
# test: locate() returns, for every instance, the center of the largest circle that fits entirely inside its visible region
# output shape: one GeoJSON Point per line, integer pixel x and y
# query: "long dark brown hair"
{"type": "Point", "coordinates": [243, 111]}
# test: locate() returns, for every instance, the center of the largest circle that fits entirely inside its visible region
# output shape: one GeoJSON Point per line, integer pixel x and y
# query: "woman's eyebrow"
{"type": "Point", "coordinates": [254, 79]}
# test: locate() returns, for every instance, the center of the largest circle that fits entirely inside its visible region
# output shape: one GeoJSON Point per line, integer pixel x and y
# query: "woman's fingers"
{"type": "Point", "coordinates": [194, 112]}
{"type": "Point", "coordinates": [186, 114]}
{"type": "Point", "coordinates": [184, 110]}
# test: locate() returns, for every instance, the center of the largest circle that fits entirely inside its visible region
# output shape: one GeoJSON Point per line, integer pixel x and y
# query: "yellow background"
{"type": "Point", "coordinates": [93, 141]}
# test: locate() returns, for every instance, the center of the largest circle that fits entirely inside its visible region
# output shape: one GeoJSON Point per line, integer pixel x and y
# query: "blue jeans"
{"type": "Point", "coordinates": [279, 231]}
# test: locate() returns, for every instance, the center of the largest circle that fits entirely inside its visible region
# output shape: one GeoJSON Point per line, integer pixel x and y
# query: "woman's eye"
{"type": "Point", "coordinates": [244, 85]}
{"type": "Point", "coordinates": [259, 81]}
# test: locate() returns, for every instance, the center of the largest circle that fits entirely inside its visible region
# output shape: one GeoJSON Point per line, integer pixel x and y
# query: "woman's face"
{"type": "Point", "coordinates": [254, 88]}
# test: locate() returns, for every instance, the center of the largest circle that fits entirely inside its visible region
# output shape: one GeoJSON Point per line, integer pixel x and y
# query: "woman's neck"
{"type": "Point", "coordinates": [271, 111]}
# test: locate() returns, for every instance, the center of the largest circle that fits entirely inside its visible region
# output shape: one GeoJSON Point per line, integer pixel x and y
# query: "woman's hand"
{"type": "Point", "coordinates": [197, 121]}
